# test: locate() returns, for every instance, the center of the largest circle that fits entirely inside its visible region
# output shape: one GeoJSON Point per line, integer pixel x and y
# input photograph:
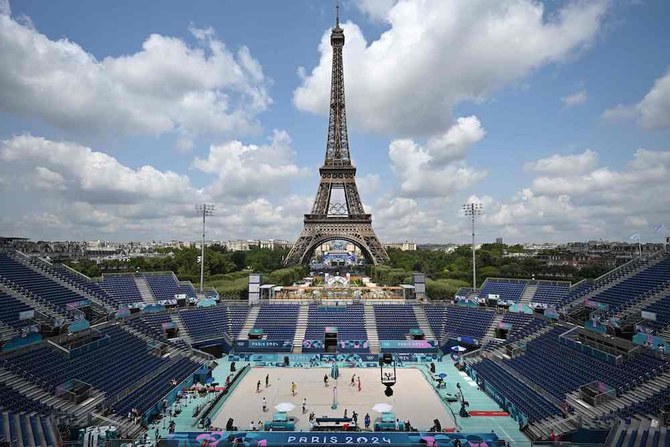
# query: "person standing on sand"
{"type": "Point", "coordinates": [294, 388]}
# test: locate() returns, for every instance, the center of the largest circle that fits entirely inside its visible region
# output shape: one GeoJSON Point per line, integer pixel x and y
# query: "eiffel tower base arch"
{"type": "Point", "coordinates": [314, 235]}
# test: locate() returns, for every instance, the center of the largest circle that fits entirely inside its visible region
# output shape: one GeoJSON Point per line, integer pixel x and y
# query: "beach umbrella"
{"type": "Point", "coordinates": [458, 348]}
{"type": "Point", "coordinates": [442, 375]}
{"type": "Point", "coordinates": [382, 407]}
{"type": "Point", "coordinates": [285, 407]}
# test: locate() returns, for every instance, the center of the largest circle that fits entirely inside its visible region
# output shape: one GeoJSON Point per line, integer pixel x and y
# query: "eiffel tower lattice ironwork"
{"type": "Point", "coordinates": [337, 213]}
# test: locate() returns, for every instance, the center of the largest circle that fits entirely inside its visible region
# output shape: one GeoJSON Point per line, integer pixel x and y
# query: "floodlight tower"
{"type": "Point", "coordinates": [205, 210]}
{"type": "Point", "coordinates": [473, 210]}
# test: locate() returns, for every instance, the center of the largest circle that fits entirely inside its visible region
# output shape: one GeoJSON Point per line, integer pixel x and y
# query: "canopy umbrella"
{"type": "Point", "coordinates": [458, 348]}
{"type": "Point", "coordinates": [382, 407]}
{"type": "Point", "coordinates": [442, 375]}
{"type": "Point", "coordinates": [285, 406]}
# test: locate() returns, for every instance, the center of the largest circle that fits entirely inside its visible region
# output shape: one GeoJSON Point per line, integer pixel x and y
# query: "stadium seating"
{"type": "Point", "coordinates": [394, 321]}
{"type": "Point", "coordinates": [522, 325]}
{"type": "Point", "coordinates": [151, 324]}
{"type": "Point", "coordinates": [662, 310]}
{"type": "Point", "coordinates": [560, 369]}
{"type": "Point", "coordinates": [467, 322]}
{"type": "Point", "coordinates": [14, 401]}
{"type": "Point", "coordinates": [122, 287]}
{"type": "Point", "coordinates": [22, 424]}
{"type": "Point", "coordinates": [91, 287]}
{"type": "Point", "coordinates": [278, 321]}
{"type": "Point", "coordinates": [349, 322]}
{"type": "Point", "coordinates": [42, 287]}
{"type": "Point", "coordinates": [206, 322]}
{"type": "Point", "coordinates": [110, 367]}
{"type": "Point", "coordinates": [550, 293]}
{"type": "Point", "coordinates": [508, 290]}
{"type": "Point", "coordinates": [158, 388]}
{"type": "Point", "coordinates": [9, 310]}
{"type": "Point", "coordinates": [166, 286]}
{"type": "Point", "coordinates": [646, 280]}
{"type": "Point", "coordinates": [524, 398]}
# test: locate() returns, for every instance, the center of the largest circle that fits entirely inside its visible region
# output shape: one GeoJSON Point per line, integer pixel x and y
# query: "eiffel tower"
{"type": "Point", "coordinates": [337, 213]}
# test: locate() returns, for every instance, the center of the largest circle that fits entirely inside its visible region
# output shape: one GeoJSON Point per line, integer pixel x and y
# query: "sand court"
{"type": "Point", "coordinates": [414, 399]}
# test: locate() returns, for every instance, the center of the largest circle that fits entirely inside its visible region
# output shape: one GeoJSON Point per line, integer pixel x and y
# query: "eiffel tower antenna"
{"type": "Point", "coordinates": [337, 13]}
{"type": "Point", "coordinates": [337, 212]}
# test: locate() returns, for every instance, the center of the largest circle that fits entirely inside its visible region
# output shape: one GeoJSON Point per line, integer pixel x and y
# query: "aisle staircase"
{"type": "Point", "coordinates": [249, 323]}
{"type": "Point", "coordinates": [301, 328]}
{"type": "Point", "coordinates": [528, 294]}
{"type": "Point", "coordinates": [145, 290]}
{"type": "Point", "coordinates": [491, 331]}
{"type": "Point", "coordinates": [183, 331]}
{"type": "Point", "coordinates": [422, 320]}
{"type": "Point", "coordinates": [371, 328]}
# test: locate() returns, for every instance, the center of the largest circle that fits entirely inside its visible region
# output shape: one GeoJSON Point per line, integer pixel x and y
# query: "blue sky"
{"type": "Point", "coordinates": [115, 117]}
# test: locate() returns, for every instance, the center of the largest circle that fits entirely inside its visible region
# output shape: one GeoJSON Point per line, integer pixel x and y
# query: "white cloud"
{"type": "Point", "coordinates": [560, 164]}
{"type": "Point", "coordinates": [652, 112]}
{"type": "Point", "coordinates": [167, 86]}
{"type": "Point", "coordinates": [376, 10]}
{"type": "Point", "coordinates": [574, 99]}
{"type": "Point", "coordinates": [93, 176]}
{"type": "Point", "coordinates": [438, 168]}
{"type": "Point", "coordinates": [5, 9]}
{"type": "Point", "coordinates": [588, 202]}
{"type": "Point", "coordinates": [437, 54]}
{"type": "Point", "coordinates": [63, 190]}
{"type": "Point", "coordinates": [245, 171]}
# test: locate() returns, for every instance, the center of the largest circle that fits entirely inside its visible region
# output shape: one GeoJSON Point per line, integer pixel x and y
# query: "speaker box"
{"type": "Point", "coordinates": [286, 360]}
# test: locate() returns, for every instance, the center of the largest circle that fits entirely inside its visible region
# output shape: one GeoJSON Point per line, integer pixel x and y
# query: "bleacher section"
{"type": "Point", "coordinates": [523, 397]}
{"type": "Point", "coordinates": [662, 310]}
{"type": "Point", "coordinates": [522, 325]}
{"type": "Point", "coordinates": [24, 424]}
{"type": "Point", "coordinates": [508, 290]}
{"type": "Point", "coordinates": [122, 288]}
{"type": "Point", "coordinates": [550, 293]}
{"type": "Point", "coordinates": [166, 286]}
{"type": "Point", "coordinates": [645, 281]}
{"type": "Point", "coordinates": [110, 367]}
{"type": "Point", "coordinates": [467, 322]}
{"type": "Point", "coordinates": [91, 287]}
{"type": "Point", "coordinates": [206, 323]}
{"type": "Point", "coordinates": [278, 321]}
{"type": "Point", "coordinates": [42, 287]}
{"type": "Point", "coordinates": [560, 369]}
{"type": "Point", "coordinates": [9, 310]}
{"type": "Point", "coordinates": [350, 323]}
{"type": "Point", "coordinates": [160, 386]}
{"type": "Point", "coordinates": [394, 321]}
{"type": "Point", "coordinates": [151, 324]}
{"type": "Point", "coordinates": [14, 401]}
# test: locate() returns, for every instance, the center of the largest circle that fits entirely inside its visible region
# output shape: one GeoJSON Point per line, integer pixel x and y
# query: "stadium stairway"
{"type": "Point", "coordinates": [422, 319]}
{"type": "Point", "coordinates": [643, 391]}
{"type": "Point", "coordinates": [145, 290]}
{"type": "Point", "coordinates": [45, 269]}
{"type": "Point", "coordinates": [301, 328]}
{"type": "Point", "coordinates": [249, 323]}
{"type": "Point", "coordinates": [491, 331]}
{"type": "Point", "coordinates": [528, 294]}
{"type": "Point", "coordinates": [371, 328]}
{"type": "Point", "coordinates": [32, 391]}
{"type": "Point", "coordinates": [639, 433]}
{"type": "Point", "coordinates": [183, 331]}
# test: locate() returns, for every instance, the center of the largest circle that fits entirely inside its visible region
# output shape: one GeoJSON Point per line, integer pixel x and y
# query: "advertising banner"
{"type": "Point", "coordinates": [263, 345]}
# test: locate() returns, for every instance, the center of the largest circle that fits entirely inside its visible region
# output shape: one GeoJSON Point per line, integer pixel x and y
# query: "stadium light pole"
{"type": "Point", "coordinates": [205, 210]}
{"type": "Point", "coordinates": [473, 210]}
